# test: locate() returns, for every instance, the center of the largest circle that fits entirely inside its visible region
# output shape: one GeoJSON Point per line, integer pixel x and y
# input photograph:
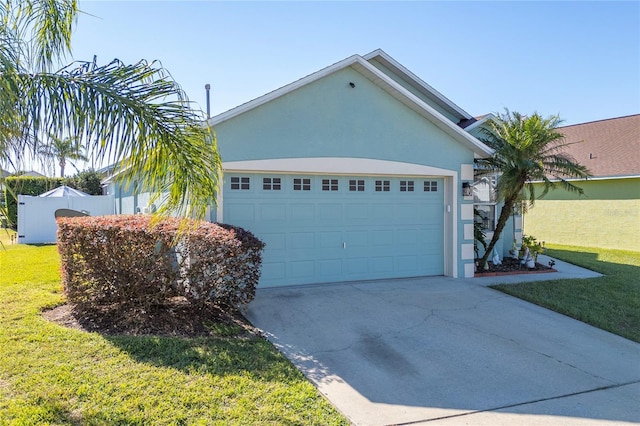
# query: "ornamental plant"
{"type": "Point", "coordinates": [135, 267]}
{"type": "Point", "coordinates": [535, 247]}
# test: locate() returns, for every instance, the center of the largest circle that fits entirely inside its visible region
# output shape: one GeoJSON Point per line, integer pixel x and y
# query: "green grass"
{"type": "Point", "coordinates": [50, 374]}
{"type": "Point", "coordinates": [611, 302]}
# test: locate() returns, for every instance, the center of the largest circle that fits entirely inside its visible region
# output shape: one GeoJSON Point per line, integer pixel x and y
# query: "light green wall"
{"type": "Point", "coordinates": [607, 215]}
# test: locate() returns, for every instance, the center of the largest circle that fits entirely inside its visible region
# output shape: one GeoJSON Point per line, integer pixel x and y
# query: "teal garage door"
{"type": "Point", "coordinates": [321, 229]}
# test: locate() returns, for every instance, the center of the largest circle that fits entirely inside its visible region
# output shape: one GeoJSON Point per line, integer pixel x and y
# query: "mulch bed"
{"type": "Point", "coordinates": [511, 266]}
{"type": "Point", "coordinates": [179, 320]}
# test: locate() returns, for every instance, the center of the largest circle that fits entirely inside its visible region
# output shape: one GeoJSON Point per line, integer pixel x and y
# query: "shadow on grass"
{"type": "Point", "coordinates": [209, 355]}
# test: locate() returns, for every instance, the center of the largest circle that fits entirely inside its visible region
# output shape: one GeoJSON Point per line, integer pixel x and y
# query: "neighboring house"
{"type": "Point", "coordinates": [354, 172]}
{"type": "Point", "coordinates": [608, 214]}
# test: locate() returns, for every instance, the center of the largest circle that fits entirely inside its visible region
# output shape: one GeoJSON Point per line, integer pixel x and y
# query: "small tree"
{"type": "Point", "coordinates": [63, 149]}
{"type": "Point", "coordinates": [527, 149]}
{"type": "Point", "coordinates": [86, 181]}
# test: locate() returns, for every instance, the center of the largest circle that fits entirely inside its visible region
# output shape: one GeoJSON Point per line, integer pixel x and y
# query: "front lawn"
{"type": "Point", "coordinates": [611, 302]}
{"type": "Point", "coordinates": [50, 374]}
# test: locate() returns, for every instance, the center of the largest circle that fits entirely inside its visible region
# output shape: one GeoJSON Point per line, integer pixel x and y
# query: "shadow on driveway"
{"type": "Point", "coordinates": [414, 350]}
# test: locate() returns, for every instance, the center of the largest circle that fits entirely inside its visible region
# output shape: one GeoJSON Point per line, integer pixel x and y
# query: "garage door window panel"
{"type": "Point", "coordinates": [430, 186]}
{"type": "Point", "coordinates": [240, 183]}
{"type": "Point", "coordinates": [271, 184]}
{"type": "Point", "coordinates": [407, 185]}
{"type": "Point", "coordinates": [356, 185]}
{"type": "Point", "coordinates": [329, 184]}
{"type": "Point", "coordinates": [383, 186]}
{"type": "Point", "coordinates": [302, 184]}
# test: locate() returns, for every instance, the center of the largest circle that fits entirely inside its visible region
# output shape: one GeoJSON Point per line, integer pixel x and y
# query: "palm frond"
{"type": "Point", "coordinates": [133, 115]}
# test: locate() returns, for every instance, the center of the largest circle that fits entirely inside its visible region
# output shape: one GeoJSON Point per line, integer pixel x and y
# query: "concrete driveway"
{"type": "Point", "coordinates": [449, 351]}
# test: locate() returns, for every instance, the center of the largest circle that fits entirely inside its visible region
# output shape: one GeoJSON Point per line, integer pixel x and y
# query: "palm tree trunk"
{"type": "Point", "coordinates": [506, 211]}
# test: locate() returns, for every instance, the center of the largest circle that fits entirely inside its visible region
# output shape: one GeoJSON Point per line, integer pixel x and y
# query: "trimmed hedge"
{"type": "Point", "coordinates": [132, 267]}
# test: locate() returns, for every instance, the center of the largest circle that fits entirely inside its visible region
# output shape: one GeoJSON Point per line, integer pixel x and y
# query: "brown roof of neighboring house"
{"type": "Point", "coordinates": [608, 147]}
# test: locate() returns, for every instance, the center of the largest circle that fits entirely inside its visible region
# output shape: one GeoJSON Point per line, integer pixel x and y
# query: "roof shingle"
{"type": "Point", "coordinates": [608, 148]}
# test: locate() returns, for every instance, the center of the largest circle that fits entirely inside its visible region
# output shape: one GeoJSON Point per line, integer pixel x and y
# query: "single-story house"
{"type": "Point", "coordinates": [608, 214]}
{"type": "Point", "coordinates": [358, 171]}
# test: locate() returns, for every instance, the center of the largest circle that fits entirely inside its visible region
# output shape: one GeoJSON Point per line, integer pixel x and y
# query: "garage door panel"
{"type": "Point", "coordinates": [357, 212]}
{"type": "Point", "coordinates": [317, 235]}
{"type": "Point", "coordinates": [273, 212]}
{"type": "Point", "coordinates": [242, 212]}
{"type": "Point", "coordinates": [273, 270]}
{"type": "Point", "coordinates": [330, 239]}
{"type": "Point", "coordinates": [356, 238]}
{"type": "Point", "coordinates": [329, 212]}
{"type": "Point", "coordinates": [356, 266]}
{"type": "Point", "coordinates": [330, 268]}
{"type": "Point", "coordinates": [301, 240]}
{"type": "Point", "coordinates": [274, 241]}
{"type": "Point", "coordinates": [301, 269]}
{"type": "Point", "coordinates": [382, 238]}
{"type": "Point", "coordinates": [382, 212]}
{"type": "Point", "coordinates": [409, 237]}
{"type": "Point", "coordinates": [300, 213]}
{"type": "Point", "coordinates": [381, 264]}
{"type": "Point", "coordinates": [406, 264]}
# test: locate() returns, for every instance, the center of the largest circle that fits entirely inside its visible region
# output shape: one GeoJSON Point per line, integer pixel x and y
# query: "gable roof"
{"type": "Point", "coordinates": [417, 83]}
{"type": "Point", "coordinates": [608, 148]}
{"type": "Point", "coordinates": [378, 77]}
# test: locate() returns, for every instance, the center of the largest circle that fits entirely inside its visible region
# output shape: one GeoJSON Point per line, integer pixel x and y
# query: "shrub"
{"type": "Point", "coordinates": [129, 266]}
{"type": "Point", "coordinates": [88, 181]}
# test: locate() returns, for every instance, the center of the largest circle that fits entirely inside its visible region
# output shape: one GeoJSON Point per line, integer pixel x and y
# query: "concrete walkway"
{"type": "Point", "coordinates": [444, 351]}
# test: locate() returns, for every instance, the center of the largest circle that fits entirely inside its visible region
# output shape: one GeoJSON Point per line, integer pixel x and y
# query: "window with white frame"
{"type": "Point", "coordinates": [240, 183]}
{"type": "Point", "coordinates": [329, 184]}
{"type": "Point", "coordinates": [406, 186]}
{"type": "Point", "coordinates": [484, 200]}
{"type": "Point", "coordinates": [271, 184]}
{"type": "Point", "coordinates": [430, 186]}
{"type": "Point", "coordinates": [383, 186]}
{"type": "Point", "coordinates": [301, 184]}
{"type": "Point", "coordinates": [356, 185]}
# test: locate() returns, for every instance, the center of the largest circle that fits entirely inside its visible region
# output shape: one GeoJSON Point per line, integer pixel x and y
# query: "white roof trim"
{"type": "Point", "coordinates": [399, 67]}
{"type": "Point", "coordinates": [483, 120]}
{"type": "Point", "coordinates": [592, 178]}
{"type": "Point", "coordinates": [381, 79]}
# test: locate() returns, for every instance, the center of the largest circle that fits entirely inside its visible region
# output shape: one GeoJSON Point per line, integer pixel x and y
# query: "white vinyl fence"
{"type": "Point", "coordinates": [36, 220]}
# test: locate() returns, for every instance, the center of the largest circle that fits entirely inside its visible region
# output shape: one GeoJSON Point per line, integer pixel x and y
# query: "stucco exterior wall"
{"type": "Point", "coordinates": [329, 118]}
{"type": "Point", "coordinates": [607, 216]}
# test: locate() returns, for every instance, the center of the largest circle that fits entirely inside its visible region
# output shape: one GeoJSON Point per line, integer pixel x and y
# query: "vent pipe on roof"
{"type": "Point", "coordinates": [207, 87]}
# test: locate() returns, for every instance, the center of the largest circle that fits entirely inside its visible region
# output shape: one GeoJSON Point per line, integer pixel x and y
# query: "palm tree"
{"type": "Point", "coordinates": [135, 116]}
{"type": "Point", "coordinates": [527, 149]}
{"type": "Point", "coordinates": [63, 149]}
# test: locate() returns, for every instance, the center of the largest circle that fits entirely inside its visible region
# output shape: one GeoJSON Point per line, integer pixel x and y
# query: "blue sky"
{"type": "Point", "coordinates": [577, 59]}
